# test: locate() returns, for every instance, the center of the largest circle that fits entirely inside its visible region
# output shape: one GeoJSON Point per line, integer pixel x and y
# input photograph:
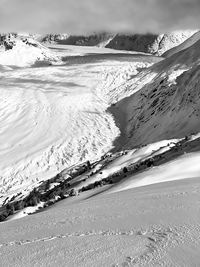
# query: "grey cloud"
{"type": "Point", "coordinates": [78, 16]}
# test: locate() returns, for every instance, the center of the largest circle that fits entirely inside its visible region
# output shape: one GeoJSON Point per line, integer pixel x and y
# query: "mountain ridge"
{"type": "Point", "coordinates": [156, 44]}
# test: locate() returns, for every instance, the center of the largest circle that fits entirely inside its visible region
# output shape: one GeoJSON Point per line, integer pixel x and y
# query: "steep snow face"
{"type": "Point", "coordinates": [168, 106]}
{"type": "Point", "coordinates": [54, 117]}
{"type": "Point", "coordinates": [25, 52]}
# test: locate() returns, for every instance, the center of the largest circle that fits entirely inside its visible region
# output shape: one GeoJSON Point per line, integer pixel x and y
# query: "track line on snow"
{"type": "Point", "coordinates": [156, 240]}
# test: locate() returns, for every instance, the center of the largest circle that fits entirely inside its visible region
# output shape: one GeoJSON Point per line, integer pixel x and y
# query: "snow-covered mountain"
{"type": "Point", "coordinates": [149, 43]}
{"type": "Point", "coordinates": [100, 39]}
{"type": "Point", "coordinates": [187, 43]}
{"type": "Point", "coordinates": [20, 50]}
{"type": "Point", "coordinates": [173, 39]}
{"type": "Point", "coordinates": [166, 101]}
{"type": "Point", "coordinates": [53, 38]}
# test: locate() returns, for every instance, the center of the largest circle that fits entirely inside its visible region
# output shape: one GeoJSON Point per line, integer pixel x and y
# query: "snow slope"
{"type": "Point", "coordinates": [156, 225]}
{"type": "Point", "coordinates": [167, 106]}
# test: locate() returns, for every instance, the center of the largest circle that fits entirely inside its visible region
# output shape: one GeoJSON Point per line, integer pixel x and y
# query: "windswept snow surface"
{"type": "Point", "coordinates": [54, 117]}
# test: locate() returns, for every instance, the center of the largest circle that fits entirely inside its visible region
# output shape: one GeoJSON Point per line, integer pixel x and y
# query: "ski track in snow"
{"type": "Point", "coordinates": [54, 117]}
{"type": "Point", "coordinates": [153, 243]}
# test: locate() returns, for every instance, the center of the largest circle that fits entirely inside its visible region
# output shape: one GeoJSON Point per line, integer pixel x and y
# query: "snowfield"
{"type": "Point", "coordinates": [54, 117]}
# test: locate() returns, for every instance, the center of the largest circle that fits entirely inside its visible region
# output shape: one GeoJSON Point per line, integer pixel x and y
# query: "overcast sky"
{"type": "Point", "coordinates": [84, 16]}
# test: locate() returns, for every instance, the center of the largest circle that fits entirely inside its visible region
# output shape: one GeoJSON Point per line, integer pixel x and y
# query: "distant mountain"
{"type": "Point", "coordinates": [100, 39]}
{"type": "Point", "coordinates": [147, 43]}
{"type": "Point", "coordinates": [53, 38]}
{"type": "Point", "coordinates": [165, 100]}
{"type": "Point", "coordinates": [20, 50]}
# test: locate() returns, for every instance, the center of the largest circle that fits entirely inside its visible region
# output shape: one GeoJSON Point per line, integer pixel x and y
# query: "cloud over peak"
{"type": "Point", "coordinates": [82, 16]}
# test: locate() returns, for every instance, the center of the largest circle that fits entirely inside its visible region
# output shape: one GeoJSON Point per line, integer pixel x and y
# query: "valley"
{"type": "Point", "coordinates": [99, 155]}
